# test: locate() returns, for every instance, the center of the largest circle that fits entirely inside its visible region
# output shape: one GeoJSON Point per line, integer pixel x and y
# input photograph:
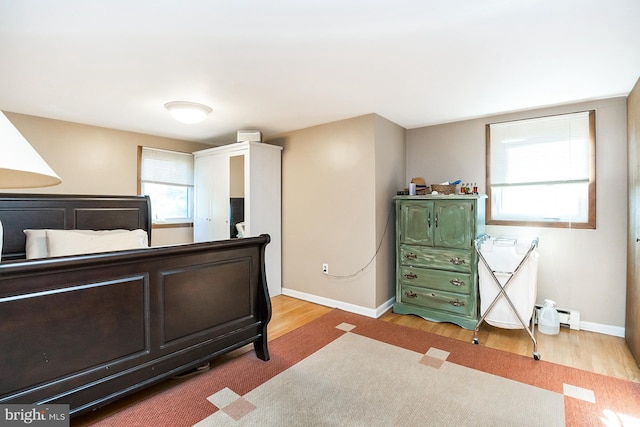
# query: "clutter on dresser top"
{"type": "Point", "coordinates": [418, 187]}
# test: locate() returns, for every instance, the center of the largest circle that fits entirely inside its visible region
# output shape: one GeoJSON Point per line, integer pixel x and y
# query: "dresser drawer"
{"type": "Point", "coordinates": [443, 259]}
{"type": "Point", "coordinates": [437, 279]}
{"type": "Point", "coordinates": [464, 305]}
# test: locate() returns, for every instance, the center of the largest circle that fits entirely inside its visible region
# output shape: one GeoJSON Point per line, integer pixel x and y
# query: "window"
{"type": "Point", "coordinates": [167, 178]}
{"type": "Point", "coordinates": [541, 172]}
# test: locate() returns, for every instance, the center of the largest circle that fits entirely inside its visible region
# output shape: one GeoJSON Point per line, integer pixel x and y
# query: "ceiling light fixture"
{"type": "Point", "coordinates": [188, 112]}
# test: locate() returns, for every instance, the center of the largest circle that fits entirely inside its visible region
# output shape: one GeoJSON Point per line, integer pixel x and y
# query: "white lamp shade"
{"type": "Point", "coordinates": [20, 164]}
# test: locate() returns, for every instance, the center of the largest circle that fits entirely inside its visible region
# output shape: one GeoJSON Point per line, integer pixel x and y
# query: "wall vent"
{"type": "Point", "coordinates": [568, 318]}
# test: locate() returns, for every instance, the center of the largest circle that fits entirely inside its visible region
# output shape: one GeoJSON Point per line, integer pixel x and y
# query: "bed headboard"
{"type": "Point", "coordinates": [69, 212]}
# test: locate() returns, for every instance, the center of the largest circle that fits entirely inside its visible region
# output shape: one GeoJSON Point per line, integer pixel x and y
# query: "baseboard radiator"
{"type": "Point", "coordinates": [568, 318]}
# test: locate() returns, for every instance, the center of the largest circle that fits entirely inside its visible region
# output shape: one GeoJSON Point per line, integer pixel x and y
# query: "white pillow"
{"type": "Point", "coordinates": [74, 242]}
{"type": "Point", "coordinates": [37, 246]}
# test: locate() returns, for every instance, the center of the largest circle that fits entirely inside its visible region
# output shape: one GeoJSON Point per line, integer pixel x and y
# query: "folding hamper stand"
{"type": "Point", "coordinates": [517, 271]}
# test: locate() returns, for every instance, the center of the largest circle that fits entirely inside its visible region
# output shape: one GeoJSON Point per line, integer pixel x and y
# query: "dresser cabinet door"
{"type": "Point", "coordinates": [416, 220]}
{"type": "Point", "coordinates": [454, 224]}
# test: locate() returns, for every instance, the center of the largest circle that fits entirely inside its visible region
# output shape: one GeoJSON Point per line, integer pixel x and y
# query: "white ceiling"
{"type": "Point", "coordinates": [280, 65]}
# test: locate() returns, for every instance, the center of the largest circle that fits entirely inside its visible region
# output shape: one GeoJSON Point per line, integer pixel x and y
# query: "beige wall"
{"type": "Point", "coordinates": [331, 212]}
{"type": "Point", "coordinates": [390, 177]}
{"type": "Point", "coordinates": [95, 160]}
{"type": "Point", "coordinates": [632, 312]}
{"type": "Point", "coordinates": [579, 269]}
{"type": "Point", "coordinates": [236, 180]}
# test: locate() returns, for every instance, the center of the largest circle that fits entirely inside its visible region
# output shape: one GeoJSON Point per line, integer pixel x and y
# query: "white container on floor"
{"type": "Point", "coordinates": [548, 319]}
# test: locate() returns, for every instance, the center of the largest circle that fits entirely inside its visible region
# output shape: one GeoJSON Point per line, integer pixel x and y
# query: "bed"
{"type": "Point", "coordinates": [87, 329]}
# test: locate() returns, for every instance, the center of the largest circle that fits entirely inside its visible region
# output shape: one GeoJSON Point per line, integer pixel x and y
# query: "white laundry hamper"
{"type": "Point", "coordinates": [504, 256]}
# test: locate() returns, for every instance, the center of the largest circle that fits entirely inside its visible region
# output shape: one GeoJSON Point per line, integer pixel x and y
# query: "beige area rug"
{"type": "Point", "coordinates": [343, 369]}
{"type": "Point", "coordinates": [358, 381]}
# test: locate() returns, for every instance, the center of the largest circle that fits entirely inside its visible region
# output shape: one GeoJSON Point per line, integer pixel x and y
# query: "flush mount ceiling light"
{"type": "Point", "coordinates": [187, 112]}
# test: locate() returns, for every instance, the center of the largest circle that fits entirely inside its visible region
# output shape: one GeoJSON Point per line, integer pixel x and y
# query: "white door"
{"type": "Point", "coordinates": [211, 203]}
{"type": "Point", "coordinates": [203, 176]}
{"type": "Point", "coordinates": [219, 227]}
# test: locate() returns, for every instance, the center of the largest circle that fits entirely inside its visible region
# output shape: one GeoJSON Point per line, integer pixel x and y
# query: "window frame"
{"type": "Point", "coordinates": [155, 225]}
{"type": "Point", "coordinates": [591, 191]}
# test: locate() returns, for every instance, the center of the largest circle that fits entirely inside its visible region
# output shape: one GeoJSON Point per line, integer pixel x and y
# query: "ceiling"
{"type": "Point", "coordinates": [281, 65]}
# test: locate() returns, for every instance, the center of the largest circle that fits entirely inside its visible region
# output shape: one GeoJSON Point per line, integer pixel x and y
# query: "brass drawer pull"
{"type": "Point", "coordinates": [411, 256]}
{"type": "Point", "coordinates": [456, 261]}
{"type": "Point", "coordinates": [443, 299]}
{"type": "Point", "coordinates": [410, 294]}
{"type": "Point", "coordinates": [411, 276]}
{"type": "Point", "coordinates": [457, 282]}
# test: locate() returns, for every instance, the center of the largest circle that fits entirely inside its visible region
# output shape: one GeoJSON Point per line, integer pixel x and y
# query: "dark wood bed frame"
{"type": "Point", "coordinates": [86, 330]}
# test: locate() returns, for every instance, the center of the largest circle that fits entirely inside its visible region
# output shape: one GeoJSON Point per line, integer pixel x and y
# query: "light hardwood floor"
{"type": "Point", "coordinates": [589, 351]}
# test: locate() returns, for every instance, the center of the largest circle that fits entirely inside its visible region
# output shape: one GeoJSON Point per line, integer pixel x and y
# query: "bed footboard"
{"type": "Point", "coordinates": [87, 330]}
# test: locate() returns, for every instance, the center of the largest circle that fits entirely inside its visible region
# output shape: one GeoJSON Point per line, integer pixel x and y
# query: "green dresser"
{"type": "Point", "coordinates": [436, 264]}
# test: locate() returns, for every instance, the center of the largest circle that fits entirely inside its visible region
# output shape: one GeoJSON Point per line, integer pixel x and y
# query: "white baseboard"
{"type": "Point", "coordinates": [352, 308]}
{"type": "Point", "coordinates": [616, 331]}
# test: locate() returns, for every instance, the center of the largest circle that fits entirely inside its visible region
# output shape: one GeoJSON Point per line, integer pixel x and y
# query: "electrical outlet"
{"type": "Point", "coordinates": [325, 268]}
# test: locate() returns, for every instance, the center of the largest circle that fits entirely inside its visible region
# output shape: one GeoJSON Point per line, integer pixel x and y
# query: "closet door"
{"type": "Point", "coordinates": [203, 175]}
{"type": "Point", "coordinates": [632, 324]}
{"type": "Point", "coordinates": [220, 214]}
{"type": "Point", "coordinates": [211, 216]}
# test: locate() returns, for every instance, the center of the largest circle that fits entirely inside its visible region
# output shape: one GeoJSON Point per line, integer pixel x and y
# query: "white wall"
{"type": "Point", "coordinates": [579, 269]}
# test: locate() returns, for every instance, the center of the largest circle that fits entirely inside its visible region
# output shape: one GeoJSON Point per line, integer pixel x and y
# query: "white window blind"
{"type": "Point", "coordinates": [545, 150]}
{"type": "Point", "coordinates": [167, 167]}
{"type": "Point", "coordinates": [167, 178]}
{"type": "Point", "coordinates": [542, 170]}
